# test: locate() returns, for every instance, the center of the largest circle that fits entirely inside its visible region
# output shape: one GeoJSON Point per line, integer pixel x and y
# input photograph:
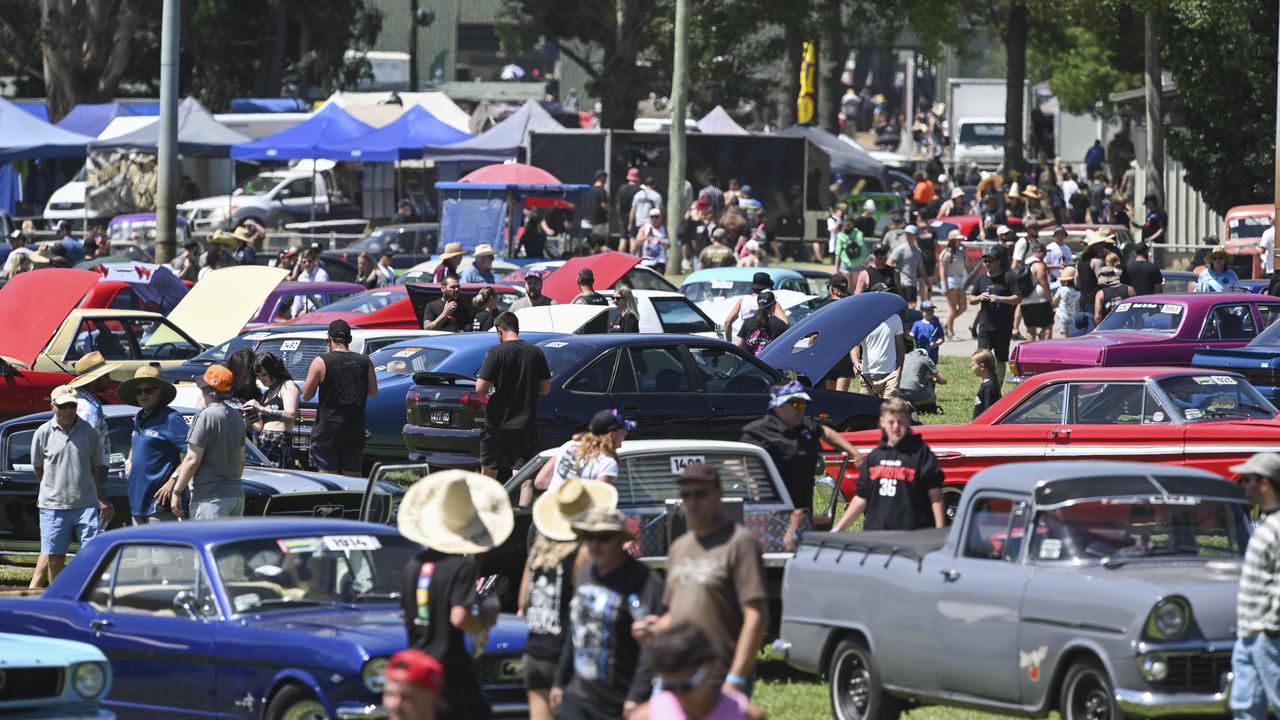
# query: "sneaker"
{"type": "Point", "coordinates": [685, 267]}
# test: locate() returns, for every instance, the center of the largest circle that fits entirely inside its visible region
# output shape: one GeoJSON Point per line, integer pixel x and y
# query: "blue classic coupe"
{"type": "Point", "coordinates": [247, 618]}
{"type": "Point", "coordinates": [1259, 361]}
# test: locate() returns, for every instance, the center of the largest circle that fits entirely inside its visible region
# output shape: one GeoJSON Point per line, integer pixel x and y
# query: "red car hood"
{"type": "Point", "coordinates": [609, 268]}
{"type": "Point", "coordinates": [1079, 351]}
{"type": "Point", "coordinates": [36, 303]}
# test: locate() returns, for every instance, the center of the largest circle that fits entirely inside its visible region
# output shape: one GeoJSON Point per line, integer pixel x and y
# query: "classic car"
{"type": "Point", "coordinates": [1165, 329]}
{"type": "Point", "coordinates": [716, 283]}
{"type": "Point", "coordinates": [1099, 590]}
{"type": "Point", "coordinates": [23, 390]}
{"type": "Point", "coordinates": [797, 305]}
{"type": "Point", "coordinates": [659, 311]}
{"type": "Point", "coordinates": [611, 269]}
{"type": "Point", "coordinates": [1208, 420]}
{"type": "Point", "coordinates": [188, 371]}
{"type": "Point", "coordinates": [638, 277]}
{"type": "Point", "coordinates": [673, 386]}
{"type": "Point", "coordinates": [1259, 362]}
{"type": "Point", "coordinates": [267, 490]}
{"type": "Point", "coordinates": [53, 679]}
{"type": "Point", "coordinates": [249, 618]}
{"type": "Point", "coordinates": [412, 244]}
{"type": "Point", "coordinates": [396, 307]}
{"type": "Point", "coordinates": [1242, 230]}
{"type": "Point", "coordinates": [278, 306]}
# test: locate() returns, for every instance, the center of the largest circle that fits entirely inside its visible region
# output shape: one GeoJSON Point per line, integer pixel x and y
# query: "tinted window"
{"type": "Point", "coordinates": [1045, 407]}
{"type": "Point", "coordinates": [1229, 322]}
{"type": "Point", "coordinates": [595, 379]}
{"type": "Point", "coordinates": [561, 355]}
{"type": "Point", "coordinates": [298, 189]}
{"type": "Point", "coordinates": [1109, 404]}
{"type": "Point", "coordinates": [660, 370]}
{"type": "Point", "coordinates": [218, 353]}
{"type": "Point", "coordinates": [989, 528]}
{"type": "Point", "coordinates": [365, 302]}
{"type": "Point", "coordinates": [408, 360]}
{"type": "Point", "coordinates": [624, 380]}
{"type": "Point", "coordinates": [710, 289]}
{"type": "Point", "coordinates": [1269, 314]}
{"type": "Point", "coordinates": [797, 284]}
{"type": "Point", "coordinates": [125, 300]}
{"type": "Point", "coordinates": [1144, 316]}
{"type": "Point", "coordinates": [724, 371]}
{"type": "Point", "coordinates": [645, 279]}
{"type": "Point", "coordinates": [148, 580]}
{"type": "Point", "coordinates": [679, 315]}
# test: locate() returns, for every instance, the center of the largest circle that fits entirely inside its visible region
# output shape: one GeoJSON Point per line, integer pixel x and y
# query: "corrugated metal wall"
{"type": "Point", "coordinates": [1190, 219]}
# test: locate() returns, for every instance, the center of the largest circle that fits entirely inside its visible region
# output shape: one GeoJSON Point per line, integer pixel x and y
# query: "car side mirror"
{"type": "Point", "coordinates": [184, 604]}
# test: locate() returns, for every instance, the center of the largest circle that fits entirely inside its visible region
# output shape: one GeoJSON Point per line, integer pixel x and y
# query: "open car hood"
{"type": "Point", "coordinates": [608, 268]}
{"type": "Point", "coordinates": [575, 319]}
{"type": "Point", "coordinates": [220, 305]}
{"type": "Point", "coordinates": [34, 305]}
{"type": "Point", "coordinates": [813, 346]}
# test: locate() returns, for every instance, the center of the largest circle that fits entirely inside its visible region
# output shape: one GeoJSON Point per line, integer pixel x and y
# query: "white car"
{"type": "Point", "coordinates": [423, 271]}
{"type": "Point", "coordinates": [796, 304]}
{"type": "Point", "coordinates": [660, 311]}
{"type": "Point", "coordinates": [67, 202]}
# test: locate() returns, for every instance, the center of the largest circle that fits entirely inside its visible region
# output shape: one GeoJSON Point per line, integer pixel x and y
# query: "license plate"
{"type": "Point", "coordinates": [441, 417]}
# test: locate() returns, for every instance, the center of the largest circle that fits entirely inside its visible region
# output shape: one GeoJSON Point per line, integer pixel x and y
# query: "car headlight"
{"type": "Point", "coordinates": [89, 679]}
{"type": "Point", "coordinates": [374, 674]}
{"type": "Point", "coordinates": [1155, 668]}
{"type": "Point", "coordinates": [1169, 619]}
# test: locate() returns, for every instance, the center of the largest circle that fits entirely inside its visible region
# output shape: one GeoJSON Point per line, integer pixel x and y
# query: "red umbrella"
{"type": "Point", "coordinates": [511, 174]}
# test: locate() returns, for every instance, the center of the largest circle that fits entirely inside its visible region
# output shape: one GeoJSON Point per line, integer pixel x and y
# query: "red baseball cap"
{"type": "Point", "coordinates": [416, 668]}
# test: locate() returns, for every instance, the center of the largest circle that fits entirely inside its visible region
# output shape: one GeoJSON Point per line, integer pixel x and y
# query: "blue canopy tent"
{"type": "Point", "coordinates": [403, 139]}
{"type": "Point", "coordinates": [330, 126]}
{"type": "Point", "coordinates": [92, 118]}
{"type": "Point", "coordinates": [23, 136]}
{"type": "Point", "coordinates": [267, 105]}
{"type": "Point", "coordinates": [198, 134]}
{"type": "Point", "coordinates": [474, 213]}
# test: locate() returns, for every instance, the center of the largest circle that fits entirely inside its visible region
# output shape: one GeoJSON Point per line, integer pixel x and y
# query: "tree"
{"type": "Point", "coordinates": [1094, 49]}
{"type": "Point", "coordinates": [86, 49]}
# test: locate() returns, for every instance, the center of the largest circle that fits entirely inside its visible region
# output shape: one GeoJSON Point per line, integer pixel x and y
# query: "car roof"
{"type": "Point", "coordinates": [1197, 299]}
{"type": "Point", "coordinates": [211, 532]}
{"type": "Point", "coordinates": [618, 339]}
{"type": "Point", "coordinates": [1119, 373]}
{"type": "Point", "coordinates": [1251, 210]}
{"type": "Point", "coordinates": [463, 340]}
{"type": "Point", "coordinates": [356, 334]}
{"type": "Point", "coordinates": [1061, 480]}
{"type": "Point", "coordinates": [740, 273]}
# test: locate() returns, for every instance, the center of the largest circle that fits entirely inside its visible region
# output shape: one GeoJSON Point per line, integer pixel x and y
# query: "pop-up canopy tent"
{"type": "Point", "coordinates": [198, 134]}
{"type": "Point", "coordinates": [845, 158]}
{"type": "Point", "coordinates": [330, 126]}
{"type": "Point", "coordinates": [473, 209]}
{"type": "Point", "coordinates": [23, 136]}
{"type": "Point", "coordinates": [92, 118]}
{"type": "Point", "coordinates": [503, 141]}
{"type": "Point", "coordinates": [719, 122]}
{"type": "Point", "coordinates": [367, 106]}
{"type": "Point", "coordinates": [403, 139]}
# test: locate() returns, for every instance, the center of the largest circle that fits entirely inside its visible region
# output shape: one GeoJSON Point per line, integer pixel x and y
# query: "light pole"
{"type": "Point", "coordinates": [167, 148]}
{"type": "Point", "coordinates": [419, 18]}
{"type": "Point", "coordinates": [675, 174]}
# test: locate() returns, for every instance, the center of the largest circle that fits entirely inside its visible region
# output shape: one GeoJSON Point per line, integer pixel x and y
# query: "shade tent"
{"type": "Point", "coordinates": [403, 139]}
{"type": "Point", "coordinates": [719, 122]}
{"type": "Point", "coordinates": [267, 105]}
{"type": "Point", "coordinates": [845, 158]}
{"type": "Point", "coordinates": [331, 126]}
{"type": "Point", "coordinates": [198, 134]}
{"type": "Point", "coordinates": [435, 102]}
{"type": "Point", "coordinates": [24, 136]}
{"type": "Point", "coordinates": [92, 118]}
{"type": "Point", "coordinates": [501, 142]}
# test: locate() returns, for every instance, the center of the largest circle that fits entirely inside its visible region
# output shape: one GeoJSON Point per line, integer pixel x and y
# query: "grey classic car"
{"type": "Point", "coordinates": [1097, 589]}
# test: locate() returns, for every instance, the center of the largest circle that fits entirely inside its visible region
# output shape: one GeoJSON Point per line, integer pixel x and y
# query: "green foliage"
{"type": "Point", "coordinates": [1087, 59]}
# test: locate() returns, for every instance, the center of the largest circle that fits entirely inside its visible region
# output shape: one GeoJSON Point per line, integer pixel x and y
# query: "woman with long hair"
{"type": "Point", "coordinates": [590, 455]}
{"type": "Point", "coordinates": [277, 411]}
{"type": "Point", "coordinates": [626, 321]}
{"type": "Point", "coordinates": [763, 328]}
{"type": "Point", "coordinates": [954, 272]}
{"type": "Point", "coordinates": [485, 309]}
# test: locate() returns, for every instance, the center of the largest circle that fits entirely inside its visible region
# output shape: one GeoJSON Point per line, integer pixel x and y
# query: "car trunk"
{"type": "Point", "coordinates": [1086, 351]}
{"type": "Point", "coordinates": [443, 417]}
{"type": "Point", "coordinates": [1254, 363]}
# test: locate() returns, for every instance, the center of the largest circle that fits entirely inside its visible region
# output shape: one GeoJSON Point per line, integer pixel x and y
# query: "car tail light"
{"type": "Point", "coordinates": [473, 401]}
{"type": "Point", "coordinates": [413, 397]}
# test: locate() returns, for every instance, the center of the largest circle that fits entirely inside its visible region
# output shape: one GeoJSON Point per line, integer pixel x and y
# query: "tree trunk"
{"type": "Point", "coordinates": [786, 91]}
{"type": "Point", "coordinates": [87, 46]}
{"type": "Point", "coordinates": [1015, 88]}
{"type": "Point", "coordinates": [618, 88]}
{"type": "Point", "coordinates": [275, 36]}
{"type": "Point", "coordinates": [833, 51]}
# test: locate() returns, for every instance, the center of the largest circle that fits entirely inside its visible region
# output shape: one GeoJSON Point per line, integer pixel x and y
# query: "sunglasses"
{"type": "Point", "coordinates": [688, 684]}
{"type": "Point", "coordinates": [694, 494]}
{"type": "Point", "coordinates": [147, 390]}
{"type": "Point", "coordinates": [799, 404]}
{"type": "Point", "coordinates": [1250, 479]}
{"type": "Point", "coordinates": [67, 406]}
{"type": "Point", "coordinates": [597, 537]}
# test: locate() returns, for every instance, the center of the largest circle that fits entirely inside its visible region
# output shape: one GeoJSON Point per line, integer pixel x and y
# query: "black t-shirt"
{"type": "Point", "coordinates": [988, 394]}
{"type": "Point", "coordinates": [866, 224]}
{"type": "Point", "coordinates": [626, 194]}
{"type": "Point", "coordinates": [591, 201]}
{"type": "Point", "coordinates": [516, 370]}
{"type": "Point", "coordinates": [343, 393]}
{"type": "Point", "coordinates": [547, 610]}
{"type": "Point", "coordinates": [483, 321]}
{"type": "Point", "coordinates": [1112, 295]}
{"type": "Point", "coordinates": [758, 338]}
{"type": "Point", "coordinates": [895, 482]}
{"type": "Point", "coordinates": [995, 317]}
{"type": "Point", "coordinates": [1143, 276]}
{"type": "Point", "coordinates": [875, 276]}
{"type": "Point", "coordinates": [461, 315]}
{"type": "Point", "coordinates": [625, 323]}
{"type": "Point", "coordinates": [591, 298]}
{"type": "Point", "coordinates": [435, 583]}
{"type": "Point", "coordinates": [795, 451]}
{"type": "Point", "coordinates": [1079, 206]}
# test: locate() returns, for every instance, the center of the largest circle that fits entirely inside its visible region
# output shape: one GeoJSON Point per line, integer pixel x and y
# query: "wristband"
{"type": "Point", "coordinates": [736, 680]}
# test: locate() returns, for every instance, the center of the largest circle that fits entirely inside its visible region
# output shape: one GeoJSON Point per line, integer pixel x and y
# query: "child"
{"type": "Point", "coordinates": [983, 364]}
{"type": "Point", "coordinates": [1066, 302]}
{"type": "Point", "coordinates": [688, 673]}
{"type": "Point", "coordinates": [928, 332]}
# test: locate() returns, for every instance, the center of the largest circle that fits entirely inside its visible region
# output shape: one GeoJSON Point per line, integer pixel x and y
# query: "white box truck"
{"type": "Point", "coordinates": [975, 117]}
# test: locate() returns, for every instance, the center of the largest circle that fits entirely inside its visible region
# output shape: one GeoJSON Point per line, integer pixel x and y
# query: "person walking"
{"type": "Point", "coordinates": [158, 443]}
{"type": "Point", "coordinates": [604, 672]}
{"type": "Point", "coordinates": [927, 333]}
{"type": "Point", "coordinates": [533, 293]}
{"type": "Point", "coordinates": [1156, 222]}
{"type": "Point", "coordinates": [651, 242]}
{"type": "Point", "coordinates": [900, 483]}
{"type": "Point", "coordinates": [1066, 302]}
{"type": "Point", "coordinates": [1037, 310]}
{"type": "Point", "coordinates": [456, 516]}
{"type": "Point", "coordinates": [448, 313]}
{"type": "Point", "coordinates": [877, 360]}
{"type": "Point", "coordinates": [996, 289]}
{"type": "Point", "coordinates": [1255, 660]}
{"type": "Point", "coordinates": [643, 203]}
{"type": "Point", "coordinates": [449, 261]}
{"type": "Point", "coordinates": [851, 249]}
{"type": "Point", "coordinates": [954, 274]}
{"type": "Point", "coordinates": [1141, 274]}
{"type": "Point", "coordinates": [595, 206]}
{"type": "Point", "coordinates": [275, 414]}
{"type": "Point", "coordinates": [346, 381]}
{"type": "Point", "coordinates": [626, 320]}
{"type": "Point", "coordinates": [625, 195]}
{"type": "Point", "coordinates": [517, 374]}
{"type": "Point", "coordinates": [763, 328]}
{"type": "Point", "coordinates": [587, 294]}
{"type": "Point", "coordinates": [70, 467]}
{"type": "Point", "coordinates": [413, 681]}
{"type": "Point", "coordinates": [214, 464]}
{"type": "Point", "coordinates": [876, 272]}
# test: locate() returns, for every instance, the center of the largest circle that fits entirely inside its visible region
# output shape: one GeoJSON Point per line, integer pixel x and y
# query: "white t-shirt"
{"type": "Point", "coordinates": [1269, 250]}
{"type": "Point", "coordinates": [1021, 251]}
{"type": "Point", "coordinates": [833, 227]}
{"type": "Point", "coordinates": [880, 350]}
{"type": "Point", "coordinates": [595, 468]}
{"type": "Point", "coordinates": [1069, 188]}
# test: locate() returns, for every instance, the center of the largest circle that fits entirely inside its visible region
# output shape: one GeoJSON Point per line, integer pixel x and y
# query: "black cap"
{"type": "Point", "coordinates": [838, 280]}
{"type": "Point", "coordinates": [387, 251]}
{"type": "Point", "coordinates": [766, 298]}
{"type": "Point", "coordinates": [606, 421]}
{"type": "Point", "coordinates": [761, 281]}
{"type": "Point", "coordinates": [586, 277]}
{"type": "Point", "coordinates": [879, 249]}
{"type": "Point", "coordinates": [601, 175]}
{"type": "Point", "coordinates": [339, 330]}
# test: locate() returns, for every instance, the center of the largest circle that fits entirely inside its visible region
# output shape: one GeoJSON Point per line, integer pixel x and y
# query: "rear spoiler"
{"type": "Point", "coordinates": [440, 378]}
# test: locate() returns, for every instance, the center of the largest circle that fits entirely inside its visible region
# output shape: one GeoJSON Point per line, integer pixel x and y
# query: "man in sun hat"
{"type": "Point", "coordinates": [449, 261]}
{"type": "Point", "coordinates": [70, 468]}
{"type": "Point", "coordinates": [481, 270]}
{"type": "Point", "coordinates": [1256, 684]}
{"type": "Point", "coordinates": [158, 443]}
{"type": "Point", "coordinates": [455, 515]}
{"type": "Point", "coordinates": [604, 672]}
{"type": "Point", "coordinates": [214, 463]}
{"type": "Point", "coordinates": [413, 683]}
{"type": "Point", "coordinates": [93, 380]}
{"type": "Point", "coordinates": [243, 253]}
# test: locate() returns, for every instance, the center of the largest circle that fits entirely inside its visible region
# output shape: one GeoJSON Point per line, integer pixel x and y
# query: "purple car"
{"type": "Point", "coordinates": [1164, 330]}
{"type": "Point", "coordinates": [279, 304]}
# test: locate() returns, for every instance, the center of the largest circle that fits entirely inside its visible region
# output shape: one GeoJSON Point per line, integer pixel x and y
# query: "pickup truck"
{"type": "Point", "coordinates": [271, 199]}
{"type": "Point", "coordinates": [1094, 589]}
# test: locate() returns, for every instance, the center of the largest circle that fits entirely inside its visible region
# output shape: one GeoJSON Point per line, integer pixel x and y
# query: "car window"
{"type": "Point", "coordinates": [1110, 404]}
{"type": "Point", "coordinates": [1229, 322]}
{"type": "Point", "coordinates": [595, 379]}
{"type": "Point", "coordinates": [646, 479]}
{"type": "Point", "coordinates": [298, 189]}
{"type": "Point", "coordinates": [110, 339]}
{"type": "Point", "coordinates": [561, 355]}
{"type": "Point", "coordinates": [119, 440]}
{"type": "Point", "coordinates": [659, 370]}
{"type": "Point", "coordinates": [1045, 407]}
{"type": "Point", "coordinates": [991, 531]}
{"type": "Point", "coordinates": [797, 284]}
{"type": "Point", "coordinates": [408, 360]}
{"type": "Point", "coordinates": [724, 371]}
{"type": "Point", "coordinates": [17, 451]}
{"type": "Point", "coordinates": [1269, 313]}
{"type": "Point", "coordinates": [710, 289]}
{"type": "Point", "coordinates": [1144, 316]}
{"type": "Point", "coordinates": [296, 354]}
{"type": "Point", "coordinates": [679, 315]}
{"type": "Point", "coordinates": [365, 302]}
{"type": "Point", "coordinates": [1212, 397]}
{"type": "Point", "coordinates": [645, 279]}
{"type": "Point", "coordinates": [624, 379]}
{"type": "Point", "coordinates": [156, 580]}
{"type": "Point", "coordinates": [126, 299]}
{"type": "Point", "coordinates": [155, 339]}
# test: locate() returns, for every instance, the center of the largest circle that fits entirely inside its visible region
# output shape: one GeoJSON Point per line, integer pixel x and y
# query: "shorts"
{"type": "Point", "coordinates": [997, 343]}
{"type": "Point", "coordinates": [884, 387]}
{"type": "Point", "coordinates": [1038, 315]}
{"type": "Point", "coordinates": [955, 282]}
{"type": "Point", "coordinates": [338, 459]}
{"type": "Point", "coordinates": [908, 293]}
{"type": "Point", "coordinates": [506, 448]}
{"type": "Point", "coordinates": [539, 674]}
{"type": "Point", "coordinates": [162, 514]}
{"type": "Point", "coordinates": [843, 369]}
{"type": "Point", "coordinates": [57, 527]}
{"type": "Point", "coordinates": [277, 446]}
{"type": "Point", "coordinates": [214, 508]}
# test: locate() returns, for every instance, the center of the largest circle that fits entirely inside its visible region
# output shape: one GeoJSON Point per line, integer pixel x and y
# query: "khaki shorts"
{"type": "Point", "coordinates": [885, 387]}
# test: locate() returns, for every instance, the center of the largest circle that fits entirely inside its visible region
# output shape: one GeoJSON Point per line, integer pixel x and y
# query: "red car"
{"type": "Point", "coordinates": [1205, 419]}
{"type": "Point", "coordinates": [392, 308]}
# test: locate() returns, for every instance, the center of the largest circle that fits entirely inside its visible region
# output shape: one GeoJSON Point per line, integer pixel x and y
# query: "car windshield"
{"type": "Point", "coordinates": [1120, 529]}
{"type": "Point", "coordinates": [982, 134]}
{"type": "Point", "coordinates": [401, 360]}
{"type": "Point", "coordinates": [711, 289]}
{"type": "Point", "coordinates": [1247, 227]}
{"type": "Point", "coordinates": [1149, 317]}
{"type": "Point", "coordinates": [277, 573]}
{"type": "Point", "coordinates": [1214, 397]}
{"type": "Point", "coordinates": [258, 185]}
{"type": "Point", "coordinates": [296, 354]}
{"type": "Point", "coordinates": [680, 315]}
{"type": "Point", "coordinates": [365, 302]}
{"type": "Point", "coordinates": [561, 354]}
{"type": "Point", "coordinates": [1270, 336]}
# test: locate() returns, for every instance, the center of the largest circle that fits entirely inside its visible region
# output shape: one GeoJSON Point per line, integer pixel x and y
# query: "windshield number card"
{"type": "Point", "coordinates": [1170, 309]}
{"type": "Point", "coordinates": [680, 462]}
{"type": "Point", "coordinates": [290, 345]}
{"type": "Point", "coordinates": [350, 542]}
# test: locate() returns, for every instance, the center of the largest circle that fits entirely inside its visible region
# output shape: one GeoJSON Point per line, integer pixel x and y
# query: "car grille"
{"type": "Point", "coordinates": [1197, 673]}
{"type": "Point", "coordinates": [30, 683]}
{"type": "Point", "coordinates": [320, 504]}
{"type": "Point", "coordinates": [499, 669]}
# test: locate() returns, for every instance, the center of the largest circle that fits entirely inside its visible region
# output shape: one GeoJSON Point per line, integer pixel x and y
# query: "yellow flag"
{"type": "Point", "coordinates": [808, 71]}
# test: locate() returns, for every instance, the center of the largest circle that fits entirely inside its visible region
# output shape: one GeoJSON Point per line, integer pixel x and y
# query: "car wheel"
{"type": "Point", "coordinates": [859, 423]}
{"type": "Point", "coordinates": [1087, 694]}
{"type": "Point", "coordinates": [295, 703]}
{"type": "Point", "coordinates": [950, 502]}
{"type": "Point", "coordinates": [856, 693]}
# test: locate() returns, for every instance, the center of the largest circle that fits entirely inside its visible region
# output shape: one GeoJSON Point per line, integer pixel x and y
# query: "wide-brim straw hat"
{"type": "Point", "coordinates": [1032, 192]}
{"type": "Point", "coordinates": [483, 249]}
{"type": "Point", "coordinates": [91, 367]}
{"type": "Point", "coordinates": [456, 512]}
{"type": "Point", "coordinates": [451, 251]}
{"type": "Point", "coordinates": [1014, 192]}
{"type": "Point", "coordinates": [603, 520]}
{"type": "Point", "coordinates": [128, 390]}
{"type": "Point", "coordinates": [221, 238]}
{"type": "Point", "coordinates": [555, 511]}
{"type": "Point", "coordinates": [243, 233]}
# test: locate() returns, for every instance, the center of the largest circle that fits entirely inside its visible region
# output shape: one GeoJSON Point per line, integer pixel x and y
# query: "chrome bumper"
{"type": "Point", "coordinates": [365, 712]}
{"type": "Point", "coordinates": [1144, 703]}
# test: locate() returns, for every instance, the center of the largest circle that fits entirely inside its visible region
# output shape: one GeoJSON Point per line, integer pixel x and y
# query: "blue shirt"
{"type": "Point", "coordinates": [927, 335]}
{"type": "Point", "coordinates": [1210, 281]}
{"type": "Point", "coordinates": [75, 249]}
{"type": "Point", "coordinates": [475, 276]}
{"type": "Point", "coordinates": [159, 442]}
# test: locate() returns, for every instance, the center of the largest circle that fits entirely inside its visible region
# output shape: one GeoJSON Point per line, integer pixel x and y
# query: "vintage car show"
{"type": "Point", "coordinates": [639, 360]}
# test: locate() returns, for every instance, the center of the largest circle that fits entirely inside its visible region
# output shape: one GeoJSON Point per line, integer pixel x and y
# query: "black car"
{"type": "Point", "coordinates": [412, 244]}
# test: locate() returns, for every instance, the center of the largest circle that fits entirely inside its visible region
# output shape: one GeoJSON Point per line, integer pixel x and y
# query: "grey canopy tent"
{"type": "Point", "coordinates": [719, 122]}
{"type": "Point", "coordinates": [845, 158]}
{"type": "Point", "coordinates": [198, 134]}
{"type": "Point", "coordinates": [500, 143]}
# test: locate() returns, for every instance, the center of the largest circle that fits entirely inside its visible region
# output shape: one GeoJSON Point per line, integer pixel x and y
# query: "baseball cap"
{"type": "Point", "coordinates": [1059, 229]}
{"type": "Point", "coordinates": [340, 330]}
{"type": "Point", "coordinates": [869, 206]}
{"type": "Point", "coordinates": [719, 233]}
{"type": "Point", "coordinates": [1266, 464]}
{"type": "Point", "coordinates": [766, 299]}
{"type": "Point", "coordinates": [745, 189]}
{"type": "Point", "coordinates": [911, 230]}
{"type": "Point", "coordinates": [606, 421]}
{"type": "Point", "coordinates": [416, 668]}
{"type": "Point", "coordinates": [217, 379]}
{"type": "Point", "coordinates": [880, 249]}
{"type": "Point", "coordinates": [926, 305]}
{"type": "Point", "coordinates": [702, 204]}
{"type": "Point", "coordinates": [838, 280]}
{"type": "Point", "coordinates": [786, 392]}
{"type": "Point", "coordinates": [533, 275]}
{"type": "Point", "coordinates": [761, 281]}
{"type": "Point", "coordinates": [699, 473]}
{"type": "Point", "coordinates": [655, 212]}
{"type": "Point", "coordinates": [633, 174]}
{"type": "Point", "coordinates": [387, 251]}
{"type": "Point", "coordinates": [1003, 230]}
{"type": "Point", "coordinates": [63, 394]}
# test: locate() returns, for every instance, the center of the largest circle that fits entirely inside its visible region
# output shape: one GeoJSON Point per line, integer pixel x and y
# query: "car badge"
{"type": "Point", "coordinates": [327, 511]}
{"type": "Point", "coordinates": [246, 702]}
{"type": "Point", "coordinates": [437, 397]}
{"type": "Point", "coordinates": [511, 668]}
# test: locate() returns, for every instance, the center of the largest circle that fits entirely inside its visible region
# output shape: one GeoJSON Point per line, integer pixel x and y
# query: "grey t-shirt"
{"type": "Point", "coordinates": [917, 373]}
{"type": "Point", "coordinates": [219, 432]}
{"type": "Point", "coordinates": [907, 260]}
{"type": "Point", "coordinates": [67, 459]}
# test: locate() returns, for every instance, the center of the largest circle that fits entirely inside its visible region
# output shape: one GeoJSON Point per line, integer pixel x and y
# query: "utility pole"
{"type": "Point", "coordinates": [413, 46]}
{"type": "Point", "coordinates": [1276, 183]}
{"type": "Point", "coordinates": [1155, 108]}
{"type": "Point", "coordinates": [675, 174]}
{"type": "Point", "coordinates": [167, 150]}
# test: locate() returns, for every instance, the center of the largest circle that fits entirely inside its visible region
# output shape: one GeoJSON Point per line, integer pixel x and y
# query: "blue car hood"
{"type": "Point", "coordinates": [813, 346]}
{"type": "Point", "coordinates": [380, 631]}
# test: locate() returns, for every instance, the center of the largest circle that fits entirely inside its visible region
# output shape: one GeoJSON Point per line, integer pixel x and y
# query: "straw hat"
{"type": "Point", "coordinates": [1217, 253]}
{"type": "Point", "coordinates": [243, 233]}
{"type": "Point", "coordinates": [147, 374]}
{"type": "Point", "coordinates": [554, 512]}
{"type": "Point", "coordinates": [451, 251]}
{"type": "Point", "coordinates": [221, 238]}
{"type": "Point", "coordinates": [1068, 273]}
{"type": "Point", "coordinates": [603, 520]}
{"type": "Point", "coordinates": [456, 512]}
{"type": "Point", "coordinates": [91, 367]}
{"type": "Point", "coordinates": [483, 249]}
{"type": "Point", "coordinates": [1032, 192]}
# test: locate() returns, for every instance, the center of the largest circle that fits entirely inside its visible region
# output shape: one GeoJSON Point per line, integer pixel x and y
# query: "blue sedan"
{"type": "Point", "coordinates": [1259, 361]}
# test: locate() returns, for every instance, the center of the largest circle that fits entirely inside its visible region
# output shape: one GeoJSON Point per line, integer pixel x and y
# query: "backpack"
{"type": "Point", "coordinates": [1024, 280]}
{"type": "Point", "coordinates": [853, 248]}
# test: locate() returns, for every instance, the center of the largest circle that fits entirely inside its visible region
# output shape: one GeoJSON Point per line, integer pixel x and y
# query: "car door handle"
{"type": "Point", "coordinates": [630, 408]}
{"type": "Point", "coordinates": [98, 625]}
{"type": "Point", "coordinates": [1060, 433]}
{"type": "Point", "coordinates": [950, 575]}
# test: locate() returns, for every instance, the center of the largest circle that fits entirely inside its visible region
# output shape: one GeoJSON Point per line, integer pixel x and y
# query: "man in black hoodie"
{"type": "Point", "coordinates": [900, 486]}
